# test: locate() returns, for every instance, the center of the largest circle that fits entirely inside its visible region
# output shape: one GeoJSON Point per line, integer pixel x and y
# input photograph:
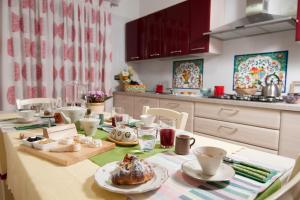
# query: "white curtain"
{"type": "Point", "coordinates": [47, 43]}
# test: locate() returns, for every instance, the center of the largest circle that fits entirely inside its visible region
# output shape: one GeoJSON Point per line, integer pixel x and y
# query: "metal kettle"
{"type": "Point", "coordinates": [272, 89]}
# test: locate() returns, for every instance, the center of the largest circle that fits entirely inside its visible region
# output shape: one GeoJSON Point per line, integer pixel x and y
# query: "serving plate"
{"type": "Point", "coordinates": [103, 179]}
{"type": "Point", "coordinates": [193, 169]}
{"type": "Point", "coordinates": [126, 144]}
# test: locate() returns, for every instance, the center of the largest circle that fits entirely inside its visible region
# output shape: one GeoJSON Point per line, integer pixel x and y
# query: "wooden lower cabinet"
{"type": "Point", "coordinates": [140, 102]}
{"type": "Point", "coordinates": [264, 118]}
{"type": "Point", "coordinates": [126, 102]}
{"type": "Point", "coordinates": [289, 144]}
{"type": "Point", "coordinates": [180, 106]}
{"type": "Point", "coordinates": [275, 131]}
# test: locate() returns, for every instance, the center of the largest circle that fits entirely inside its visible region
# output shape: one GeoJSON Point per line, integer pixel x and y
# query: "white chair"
{"type": "Point", "coordinates": [179, 117]}
{"type": "Point", "coordinates": [290, 191]}
{"type": "Point", "coordinates": [25, 102]}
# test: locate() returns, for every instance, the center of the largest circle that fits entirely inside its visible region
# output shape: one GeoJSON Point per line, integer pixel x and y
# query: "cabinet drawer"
{"type": "Point", "coordinates": [249, 116]}
{"type": "Point", "coordinates": [180, 106]}
{"type": "Point", "coordinates": [140, 102]}
{"type": "Point", "coordinates": [262, 137]}
{"type": "Point", "coordinates": [126, 102]}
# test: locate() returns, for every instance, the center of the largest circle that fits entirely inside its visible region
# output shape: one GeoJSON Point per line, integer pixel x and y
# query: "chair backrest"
{"type": "Point", "coordinates": [290, 191]}
{"type": "Point", "coordinates": [24, 102]}
{"type": "Point", "coordinates": [296, 168]}
{"type": "Point", "coordinates": [179, 117]}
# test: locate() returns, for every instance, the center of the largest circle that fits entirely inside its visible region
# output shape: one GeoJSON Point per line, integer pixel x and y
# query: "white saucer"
{"type": "Point", "coordinates": [193, 169]}
{"type": "Point", "coordinates": [26, 120]}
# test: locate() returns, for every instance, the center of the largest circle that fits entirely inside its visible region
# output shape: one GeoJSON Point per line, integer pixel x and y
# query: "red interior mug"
{"type": "Point", "coordinates": [219, 91]}
{"type": "Point", "coordinates": [159, 88]}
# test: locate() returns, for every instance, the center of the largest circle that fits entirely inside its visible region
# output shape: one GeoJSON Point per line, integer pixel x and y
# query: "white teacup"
{"type": "Point", "coordinates": [89, 125]}
{"type": "Point", "coordinates": [27, 114]}
{"type": "Point", "coordinates": [147, 120]}
{"type": "Point", "coordinates": [209, 158]}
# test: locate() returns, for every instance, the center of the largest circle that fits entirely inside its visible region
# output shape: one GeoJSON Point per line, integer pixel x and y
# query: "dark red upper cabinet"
{"type": "Point", "coordinates": [298, 23]}
{"type": "Point", "coordinates": [132, 42]}
{"type": "Point", "coordinates": [154, 34]}
{"type": "Point", "coordinates": [135, 40]}
{"type": "Point", "coordinates": [176, 30]}
{"type": "Point", "coordinates": [199, 24]}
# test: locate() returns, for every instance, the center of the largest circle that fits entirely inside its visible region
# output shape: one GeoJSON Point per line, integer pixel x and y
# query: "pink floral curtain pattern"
{"type": "Point", "coordinates": [47, 43]}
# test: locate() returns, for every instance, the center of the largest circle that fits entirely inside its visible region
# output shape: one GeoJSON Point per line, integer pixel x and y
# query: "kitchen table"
{"type": "Point", "coordinates": [32, 178]}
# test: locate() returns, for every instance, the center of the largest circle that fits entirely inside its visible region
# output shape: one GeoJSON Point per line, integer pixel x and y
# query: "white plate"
{"type": "Point", "coordinates": [25, 120]}
{"type": "Point", "coordinates": [103, 179]}
{"type": "Point", "coordinates": [193, 169]}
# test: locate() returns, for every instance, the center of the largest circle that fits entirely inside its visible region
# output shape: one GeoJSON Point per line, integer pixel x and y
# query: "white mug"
{"type": "Point", "coordinates": [209, 158]}
{"type": "Point", "coordinates": [89, 125]}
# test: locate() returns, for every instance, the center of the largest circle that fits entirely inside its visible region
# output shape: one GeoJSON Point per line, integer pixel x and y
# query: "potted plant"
{"type": "Point", "coordinates": [95, 101]}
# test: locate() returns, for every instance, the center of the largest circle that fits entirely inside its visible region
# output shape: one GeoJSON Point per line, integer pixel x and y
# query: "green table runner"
{"type": "Point", "coordinates": [119, 152]}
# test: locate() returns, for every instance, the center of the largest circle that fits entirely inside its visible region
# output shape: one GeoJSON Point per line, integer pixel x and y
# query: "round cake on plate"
{"type": "Point", "coordinates": [123, 134]}
{"type": "Point", "coordinates": [132, 171]}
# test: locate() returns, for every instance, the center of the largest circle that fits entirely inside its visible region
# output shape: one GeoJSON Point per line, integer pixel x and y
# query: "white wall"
{"type": "Point", "coordinates": [126, 11]}
{"type": "Point", "coordinates": [218, 70]}
{"type": "Point", "coordinates": [150, 6]}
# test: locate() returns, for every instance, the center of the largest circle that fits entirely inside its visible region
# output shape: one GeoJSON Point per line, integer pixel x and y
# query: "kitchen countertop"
{"type": "Point", "coordinates": [274, 106]}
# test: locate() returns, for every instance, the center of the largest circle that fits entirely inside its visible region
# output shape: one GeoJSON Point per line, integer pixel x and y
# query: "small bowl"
{"type": "Point", "coordinates": [246, 91]}
{"type": "Point", "coordinates": [147, 120]}
{"type": "Point", "coordinates": [206, 92]}
{"type": "Point", "coordinates": [27, 114]}
{"type": "Point", "coordinates": [30, 143]}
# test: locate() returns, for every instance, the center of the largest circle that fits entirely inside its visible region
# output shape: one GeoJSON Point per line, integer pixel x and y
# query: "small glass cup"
{"type": "Point", "coordinates": [167, 133]}
{"type": "Point", "coordinates": [147, 138]}
{"type": "Point", "coordinates": [121, 120]}
{"type": "Point", "coordinates": [114, 112]}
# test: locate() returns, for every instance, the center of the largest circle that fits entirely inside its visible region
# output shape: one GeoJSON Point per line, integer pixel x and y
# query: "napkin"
{"type": "Point", "coordinates": [34, 126]}
{"type": "Point", "coordinates": [249, 170]}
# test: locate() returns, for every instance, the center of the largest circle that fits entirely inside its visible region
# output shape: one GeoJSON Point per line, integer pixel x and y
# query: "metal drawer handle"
{"type": "Point", "coordinates": [155, 54]}
{"type": "Point", "coordinates": [173, 105]}
{"type": "Point", "coordinates": [199, 48]}
{"type": "Point", "coordinates": [133, 58]}
{"type": "Point", "coordinates": [233, 130]}
{"type": "Point", "coordinates": [173, 52]}
{"type": "Point", "coordinates": [231, 111]}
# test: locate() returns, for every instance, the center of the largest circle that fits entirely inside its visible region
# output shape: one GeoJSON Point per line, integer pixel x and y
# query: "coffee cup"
{"type": "Point", "coordinates": [27, 114]}
{"type": "Point", "coordinates": [183, 144]}
{"type": "Point", "coordinates": [209, 158]}
{"type": "Point", "coordinates": [147, 120]}
{"type": "Point", "coordinates": [89, 125]}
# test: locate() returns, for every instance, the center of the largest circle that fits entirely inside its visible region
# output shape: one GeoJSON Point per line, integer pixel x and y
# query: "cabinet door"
{"type": "Point", "coordinates": [298, 23]}
{"type": "Point", "coordinates": [125, 102]}
{"type": "Point", "coordinates": [153, 31]}
{"type": "Point", "coordinates": [140, 102]}
{"type": "Point", "coordinates": [289, 134]}
{"type": "Point", "coordinates": [176, 30]}
{"type": "Point", "coordinates": [180, 106]}
{"type": "Point", "coordinates": [135, 38]}
{"type": "Point", "coordinates": [199, 24]}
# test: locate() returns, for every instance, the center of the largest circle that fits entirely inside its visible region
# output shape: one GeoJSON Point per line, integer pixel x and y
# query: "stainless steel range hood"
{"type": "Point", "coordinates": [262, 16]}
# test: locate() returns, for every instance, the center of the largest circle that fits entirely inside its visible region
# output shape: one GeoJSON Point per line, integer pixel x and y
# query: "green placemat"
{"type": "Point", "coordinates": [119, 152]}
